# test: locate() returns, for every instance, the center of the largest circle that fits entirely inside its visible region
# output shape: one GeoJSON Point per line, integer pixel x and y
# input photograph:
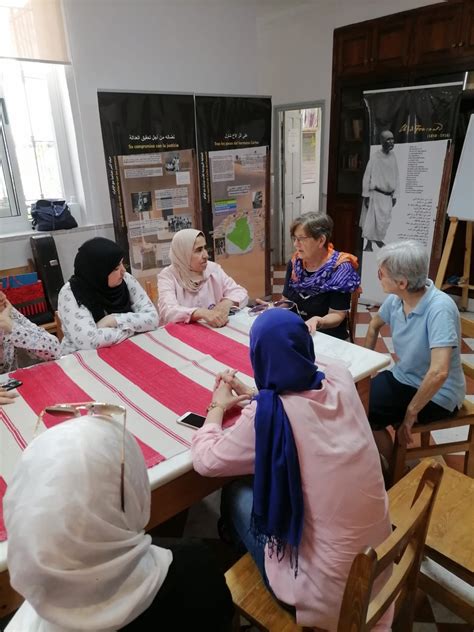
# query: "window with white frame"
{"type": "Point", "coordinates": [34, 156]}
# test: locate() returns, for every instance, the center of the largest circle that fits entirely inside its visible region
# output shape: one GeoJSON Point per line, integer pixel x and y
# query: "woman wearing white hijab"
{"type": "Point", "coordinates": [193, 288]}
{"type": "Point", "coordinates": [80, 561]}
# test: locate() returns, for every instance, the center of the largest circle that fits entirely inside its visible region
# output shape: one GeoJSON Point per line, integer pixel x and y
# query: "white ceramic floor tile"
{"type": "Point", "coordinates": [279, 274]}
{"type": "Point", "coordinates": [442, 614]}
{"type": "Point", "coordinates": [361, 330]}
{"type": "Point", "coordinates": [277, 289]}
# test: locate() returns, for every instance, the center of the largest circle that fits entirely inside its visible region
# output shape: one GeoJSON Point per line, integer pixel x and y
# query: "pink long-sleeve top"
{"type": "Point", "coordinates": [176, 304]}
{"type": "Point", "coordinates": [345, 503]}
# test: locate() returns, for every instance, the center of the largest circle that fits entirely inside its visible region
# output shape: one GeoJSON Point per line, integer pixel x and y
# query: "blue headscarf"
{"type": "Point", "coordinates": [282, 356]}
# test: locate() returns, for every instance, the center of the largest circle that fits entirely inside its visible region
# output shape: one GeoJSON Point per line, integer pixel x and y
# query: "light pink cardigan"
{"type": "Point", "coordinates": [176, 305]}
{"type": "Point", "coordinates": [345, 503]}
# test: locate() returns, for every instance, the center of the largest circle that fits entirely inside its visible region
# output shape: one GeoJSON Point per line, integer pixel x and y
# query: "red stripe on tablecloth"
{"type": "Point", "coordinates": [122, 360]}
{"type": "Point", "coordinates": [220, 347]}
{"type": "Point", "coordinates": [152, 457]}
{"type": "Point", "coordinates": [231, 416]}
{"type": "Point", "coordinates": [162, 382]}
{"type": "Point", "coordinates": [3, 489]}
{"type": "Point", "coordinates": [159, 380]}
{"type": "Point", "coordinates": [48, 384]}
{"type": "Point", "coordinates": [12, 429]}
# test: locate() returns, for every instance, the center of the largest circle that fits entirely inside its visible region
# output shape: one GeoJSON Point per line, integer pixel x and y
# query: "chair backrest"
{"type": "Point", "coordinates": [403, 549]}
{"type": "Point", "coordinates": [59, 327]}
{"type": "Point", "coordinates": [352, 317]}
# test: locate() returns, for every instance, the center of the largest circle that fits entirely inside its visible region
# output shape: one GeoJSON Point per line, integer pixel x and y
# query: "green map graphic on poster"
{"type": "Point", "coordinates": [240, 235]}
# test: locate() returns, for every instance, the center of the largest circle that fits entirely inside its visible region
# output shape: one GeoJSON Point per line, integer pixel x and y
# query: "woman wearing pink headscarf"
{"type": "Point", "coordinates": [193, 288]}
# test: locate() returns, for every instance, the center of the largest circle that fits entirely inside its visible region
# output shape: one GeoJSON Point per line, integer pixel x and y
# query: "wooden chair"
{"type": "Point", "coordinates": [464, 417]}
{"type": "Point", "coordinates": [59, 327]}
{"type": "Point", "coordinates": [359, 613]}
{"type": "Point", "coordinates": [352, 316]}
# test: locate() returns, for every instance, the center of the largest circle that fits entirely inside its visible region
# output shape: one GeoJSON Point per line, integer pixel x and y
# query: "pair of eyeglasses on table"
{"type": "Point", "coordinates": [283, 304]}
{"type": "Point", "coordinates": [93, 408]}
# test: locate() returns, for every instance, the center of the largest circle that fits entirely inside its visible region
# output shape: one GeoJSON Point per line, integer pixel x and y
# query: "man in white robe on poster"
{"type": "Point", "coordinates": [380, 189]}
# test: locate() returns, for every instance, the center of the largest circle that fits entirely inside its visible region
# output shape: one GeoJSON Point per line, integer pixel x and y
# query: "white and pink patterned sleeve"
{"type": "Point", "coordinates": [79, 328]}
{"type": "Point", "coordinates": [218, 452]}
{"type": "Point", "coordinates": [143, 316]}
{"type": "Point", "coordinates": [35, 340]}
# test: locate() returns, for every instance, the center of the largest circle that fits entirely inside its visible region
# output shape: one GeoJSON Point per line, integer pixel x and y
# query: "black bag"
{"type": "Point", "coordinates": [52, 215]}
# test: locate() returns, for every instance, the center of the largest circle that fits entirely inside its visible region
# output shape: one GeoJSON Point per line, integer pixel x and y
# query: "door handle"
{"type": "Point", "coordinates": [299, 197]}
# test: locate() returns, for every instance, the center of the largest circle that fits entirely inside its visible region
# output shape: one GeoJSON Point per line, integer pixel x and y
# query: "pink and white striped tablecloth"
{"type": "Point", "coordinates": [158, 376]}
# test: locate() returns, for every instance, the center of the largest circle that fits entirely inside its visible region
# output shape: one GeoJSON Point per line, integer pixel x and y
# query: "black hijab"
{"type": "Point", "coordinates": [95, 260]}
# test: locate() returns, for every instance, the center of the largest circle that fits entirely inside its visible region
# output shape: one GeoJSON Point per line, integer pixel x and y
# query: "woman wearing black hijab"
{"type": "Point", "coordinates": [102, 304]}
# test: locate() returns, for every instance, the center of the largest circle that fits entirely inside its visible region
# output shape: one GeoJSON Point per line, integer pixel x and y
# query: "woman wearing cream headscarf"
{"type": "Point", "coordinates": [193, 288]}
{"type": "Point", "coordinates": [83, 563]}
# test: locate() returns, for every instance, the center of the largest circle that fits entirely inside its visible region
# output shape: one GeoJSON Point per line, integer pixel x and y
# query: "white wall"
{"type": "Point", "coordinates": [202, 46]}
{"type": "Point", "coordinates": [295, 49]}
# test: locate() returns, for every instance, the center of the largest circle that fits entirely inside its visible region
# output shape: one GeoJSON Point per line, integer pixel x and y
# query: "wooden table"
{"type": "Point", "coordinates": [450, 539]}
{"type": "Point", "coordinates": [175, 486]}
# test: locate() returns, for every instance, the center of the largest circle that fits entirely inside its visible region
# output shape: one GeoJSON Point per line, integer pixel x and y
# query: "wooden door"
{"type": "Point", "coordinates": [391, 42]}
{"type": "Point", "coordinates": [437, 33]}
{"type": "Point", "coordinates": [353, 50]}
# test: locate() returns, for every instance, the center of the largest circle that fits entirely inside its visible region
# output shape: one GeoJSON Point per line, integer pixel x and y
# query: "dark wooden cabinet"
{"type": "Point", "coordinates": [353, 51]}
{"type": "Point", "coordinates": [466, 48]}
{"type": "Point", "coordinates": [438, 33]}
{"type": "Point", "coordinates": [391, 43]}
{"type": "Point", "coordinates": [433, 44]}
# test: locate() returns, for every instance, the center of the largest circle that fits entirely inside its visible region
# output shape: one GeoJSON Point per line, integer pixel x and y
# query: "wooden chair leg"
{"type": "Point", "coordinates": [469, 456]}
{"type": "Point", "coordinates": [398, 461]}
{"type": "Point", "coordinates": [425, 439]}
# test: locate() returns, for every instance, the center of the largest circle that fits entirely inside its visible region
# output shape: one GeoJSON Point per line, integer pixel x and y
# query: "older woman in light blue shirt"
{"type": "Point", "coordinates": [427, 383]}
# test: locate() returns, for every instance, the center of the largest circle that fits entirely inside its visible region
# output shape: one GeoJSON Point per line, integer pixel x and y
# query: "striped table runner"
{"type": "Point", "coordinates": [157, 376]}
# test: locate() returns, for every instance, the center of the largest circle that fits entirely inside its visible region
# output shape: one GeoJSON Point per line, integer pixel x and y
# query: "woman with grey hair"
{"type": "Point", "coordinates": [319, 279]}
{"type": "Point", "coordinates": [427, 382]}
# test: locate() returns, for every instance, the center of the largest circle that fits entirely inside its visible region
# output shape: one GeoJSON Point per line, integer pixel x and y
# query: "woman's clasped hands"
{"type": "Point", "coordinates": [229, 390]}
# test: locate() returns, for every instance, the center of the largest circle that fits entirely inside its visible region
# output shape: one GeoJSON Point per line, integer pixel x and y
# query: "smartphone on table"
{"type": "Point", "coordinates": [10, 384]}
{"type": "Point", "coordinates": [192, 420]}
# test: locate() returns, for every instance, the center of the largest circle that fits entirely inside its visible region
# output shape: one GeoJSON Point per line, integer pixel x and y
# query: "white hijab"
{"type": "Point", "coordinates": [180, 255]}
{"type": "Point", "coordinates": [79, 561]}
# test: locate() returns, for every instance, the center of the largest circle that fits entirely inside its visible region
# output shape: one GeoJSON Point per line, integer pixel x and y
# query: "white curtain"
{"type": "Point", "coordinates": [33, 30]}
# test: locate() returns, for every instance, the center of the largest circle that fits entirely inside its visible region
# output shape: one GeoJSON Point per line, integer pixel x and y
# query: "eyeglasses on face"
{"type": "Point", "coordinates": [262, 307]}
{"type": "Point", "coordinates": [299, 240]}
{"type": "Point", "coordinates": [93, 408]}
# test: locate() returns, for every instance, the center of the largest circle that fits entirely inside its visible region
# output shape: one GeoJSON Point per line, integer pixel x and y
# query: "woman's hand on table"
{"type": "Point", "coordinates": [213, 317]}
{"type": "Point", "coordinates": [313, 324]}
{"type": "Point", "coordinates": [107, 321]}
{"type": "Point", "coordinates": [228, 376]}
{"type": "Point", "coordinates": [7, 397]}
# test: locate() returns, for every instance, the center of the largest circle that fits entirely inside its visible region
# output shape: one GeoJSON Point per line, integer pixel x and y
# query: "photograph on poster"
{"type": "Point", "coordinates": [178, 222]}
{"type": "Point", "coordinates": [158, 201]}
{"type": "Point", "coordinates": [141, 201]}
{"type": "Point", "coordinates": [238, 201]}
{"type": "Point", "coordinates": [404, 211]}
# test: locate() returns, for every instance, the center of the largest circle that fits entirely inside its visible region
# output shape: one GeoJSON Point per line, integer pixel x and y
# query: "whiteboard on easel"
{"type": "Point", "coordinates": [461, 202]}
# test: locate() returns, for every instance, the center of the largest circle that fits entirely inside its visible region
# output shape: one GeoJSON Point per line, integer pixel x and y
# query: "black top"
{"type": "Point", "coordinates": [319, 304]}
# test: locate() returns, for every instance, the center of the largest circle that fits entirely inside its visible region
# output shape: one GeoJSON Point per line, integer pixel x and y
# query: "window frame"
{"type": "Point", "coordinates": [57, 94]}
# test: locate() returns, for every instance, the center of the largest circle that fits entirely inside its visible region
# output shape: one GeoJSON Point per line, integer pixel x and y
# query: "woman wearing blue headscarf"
{"type": "Point", "coordinates": [316, 497]}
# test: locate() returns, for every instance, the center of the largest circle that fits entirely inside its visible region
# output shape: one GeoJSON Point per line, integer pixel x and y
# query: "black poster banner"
{"type": "Point", "coordinates": [149, 145]}
{"type": "Point", "coordinates": [234, 137]}
{"type": "Point", "coordinates": [409, 131]}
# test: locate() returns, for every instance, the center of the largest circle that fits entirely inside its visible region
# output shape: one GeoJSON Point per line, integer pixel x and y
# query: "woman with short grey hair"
{"type": "Point", "coordinates": [427, 382]}
{"type": "Point", "coordinates": [406, 259]}
{"type": "Point", "coordinates": [319, 279]}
